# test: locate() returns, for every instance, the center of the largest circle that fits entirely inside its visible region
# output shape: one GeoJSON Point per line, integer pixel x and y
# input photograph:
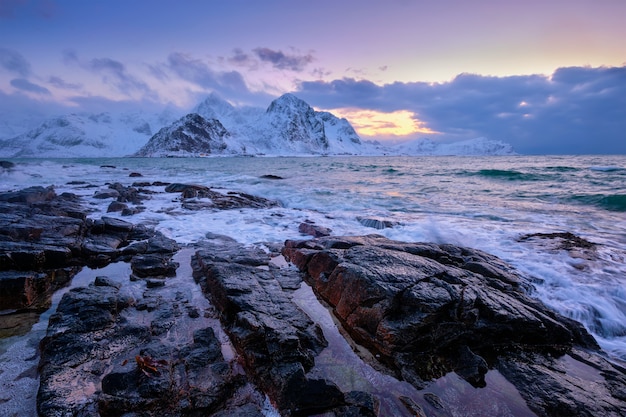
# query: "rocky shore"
{"type": "Point", "coordinates": [216, 328]}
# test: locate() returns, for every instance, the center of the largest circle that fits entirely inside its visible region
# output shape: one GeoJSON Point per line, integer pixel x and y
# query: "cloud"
{"type": "Point", "coordinates": [242, 59]}
{"type": "Point", "coordinates": [283, 61]}
{"type": "Point", "coordinates": [115, 73]}
{"type": "Point", "coordinates": [25, 85]}
{"type": "Point", "coordinates": [227, 83]}
{"type": "Point", "coordinates": [70, 57]}
{"type": "Point", "coordinates": [576, 110]}
{"type": "Point", "coordinates": [62, 84]}
{"type": "Point", "coordinates": [14, 62]}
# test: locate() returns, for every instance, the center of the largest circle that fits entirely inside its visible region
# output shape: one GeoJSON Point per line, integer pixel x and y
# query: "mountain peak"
{"type": "Point", "coordinates": [191, 135]}
{"type": "Point", "coordinates": [290, 102]}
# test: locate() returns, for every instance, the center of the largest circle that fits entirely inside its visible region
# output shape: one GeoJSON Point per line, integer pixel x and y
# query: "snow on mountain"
{"type": "Point", "coordinates": [85, 135]}
{"type": "Point", "coordinates": [477, 146]}
{"type": "Point", "coordinates": [191, 135]}
{"type": "Point", "coordinates": [289, 126]}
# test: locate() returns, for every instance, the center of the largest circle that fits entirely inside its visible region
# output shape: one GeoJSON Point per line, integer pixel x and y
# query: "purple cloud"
{"type": "Point", "coordinates": [13, 61]}
{"type": "Point", "coordinates": [25, 85]}
{"type": "Point", "coordinates": [577, 110]}
{"type": "Point", "coordinates": [62, 84]}
{"type": "Point", "coordinates": [115, 73]}
{"type": "Point", "coordinates": [283, 61]}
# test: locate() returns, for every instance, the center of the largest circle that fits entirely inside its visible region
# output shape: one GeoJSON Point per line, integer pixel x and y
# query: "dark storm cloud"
{"type": "Point", "coordinates": [25, 85]}
{"type": "Point", "coordinates": [283, 61]}
{"type": "Point", "coordinates": [14, 62]}
{"type": "Point", "coordinates": [577, 110]}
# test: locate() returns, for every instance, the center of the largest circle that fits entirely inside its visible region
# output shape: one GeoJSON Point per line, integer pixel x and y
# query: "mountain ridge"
{"type": "Point", "coordinates": [287, 127]}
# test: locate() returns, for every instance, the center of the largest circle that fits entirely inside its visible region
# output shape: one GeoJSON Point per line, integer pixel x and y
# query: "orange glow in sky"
{"type": "Point", "coordinates": [371, 123]}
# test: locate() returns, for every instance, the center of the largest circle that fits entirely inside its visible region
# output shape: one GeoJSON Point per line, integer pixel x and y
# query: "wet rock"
{"type": "Point", "coordinates": [181, 188]}
{"type": "Point", "coordinates": [199, 197]}
{"type": "Point", "coordinates": [277, 341]}
{"type": "Point", "coordinates": [24, 289]}
{"type": "Point", "coordinates": [575, 246]}
{"type": "Point", "coordinates": [98, 358]}
{"type": "Point", "coordinates": [426, 310]}
{"type": "Point", "coordinates": [153, 265]}
{"type": "Point", "coordinates": [135, 174]}
{"type": "Point", "coordinates": [45, 236]}
{"type": "Point", "coordinates": [376, 223]}
{"type": "Point", "coordinates": [314, 230]}
{"type": "Point", "coordinates": [116, 206]}
{"type": "Point", "coordinates": [7, 165]}
{"type": "Point", "coordinates": [103, 194]}
{"type": "Point", "coordinates": [271, 177]}
{"type": "Point", "coordinates": [577, 384]}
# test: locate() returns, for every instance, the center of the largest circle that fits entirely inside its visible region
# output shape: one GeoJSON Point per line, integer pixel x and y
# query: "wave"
{"type": "Point", "coordinates": [611, 202]}
{"type": "Point", "coordinates": [609, 168]}
{"type": "Point", "coordinates": [509, 175]}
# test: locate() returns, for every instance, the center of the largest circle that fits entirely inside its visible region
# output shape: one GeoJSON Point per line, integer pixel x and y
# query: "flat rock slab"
{"type": "Point", "coordinates": [426, 310]}
{"type": "Point", "coordinates": [277, 341]}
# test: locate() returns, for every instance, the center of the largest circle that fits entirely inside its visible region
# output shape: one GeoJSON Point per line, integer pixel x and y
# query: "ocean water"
{"type": "Point", "coordinates": [488, 203]}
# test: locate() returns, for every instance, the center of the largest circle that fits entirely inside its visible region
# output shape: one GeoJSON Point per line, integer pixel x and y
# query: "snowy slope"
{"type": "Point", "coordinates": [86, 135]}
{"type": "Point", "coordinates": [477, 146]}
{"type": "Point", "coordinates": [289, 126]}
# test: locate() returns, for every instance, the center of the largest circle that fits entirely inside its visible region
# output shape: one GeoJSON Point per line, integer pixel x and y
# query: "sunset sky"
{"type": "Point", "coordinates": [545, 76]}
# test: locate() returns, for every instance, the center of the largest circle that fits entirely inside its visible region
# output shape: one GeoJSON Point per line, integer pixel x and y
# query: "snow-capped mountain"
{"type": "Point", "coordinates": [191, 135]}
{"type": "Point", "coordinates": [86, 135]}
{"type": "Point", "coordinates": [289, 126]}
{"type": "Point", "coordinates": [477, 146]}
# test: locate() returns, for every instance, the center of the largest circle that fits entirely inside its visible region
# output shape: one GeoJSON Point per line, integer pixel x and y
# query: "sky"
{"type": "Point", "coordinates": [548, 77]}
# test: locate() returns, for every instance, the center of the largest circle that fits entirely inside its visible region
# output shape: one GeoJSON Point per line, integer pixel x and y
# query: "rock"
{"type": "Point", "coordinates": [376, 223]}
{"type": "Point", "coordinates": [116, 206]}
{"type": "Point", "coordinates": [19, 290]}
{"type": "Point", "coordinates": [277, 341]}
{"type": "Point", "coordinates": [100, 358]}
{"type": "Point", "coordinates": [29, 195]}
{"type": "Point", "coordinates": [7, 165]}
{"type": "Point", "coordinates": [271, 177]}
{"type": "Point", "coordinates": [575, 246]}
{"type": "Point", "coordinates": [181, 188]}
{"type": "Point", "coordinates": [198, 197]}
{"type": "Point", "coordinates": [45, 238]}
{"type": "Point", "coordinates": [153, 265]}
{"type": "Point", "coordinates": [103, 194]}
{"type": "Point", "coordinates": [314, 230]}
{"type": "Point", "coordinates": [135, 174]}
{"type": "Point", "coordinates": [426, 310]}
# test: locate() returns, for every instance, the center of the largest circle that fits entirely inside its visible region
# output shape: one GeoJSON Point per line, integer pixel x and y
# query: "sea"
{"type": "Point", "coordinates": [509, 206]}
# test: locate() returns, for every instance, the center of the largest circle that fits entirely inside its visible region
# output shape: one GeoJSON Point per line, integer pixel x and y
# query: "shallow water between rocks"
{"type": "Point", "coordinates": [339, 362]}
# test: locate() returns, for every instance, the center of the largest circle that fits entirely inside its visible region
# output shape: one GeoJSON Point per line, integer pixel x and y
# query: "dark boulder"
{"type": "Point", "coordinates": [199, 197]}
{"type": "Point", "coordinates": [312, 229]}
{"type": "Point", "coordinates": [425, 310]}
